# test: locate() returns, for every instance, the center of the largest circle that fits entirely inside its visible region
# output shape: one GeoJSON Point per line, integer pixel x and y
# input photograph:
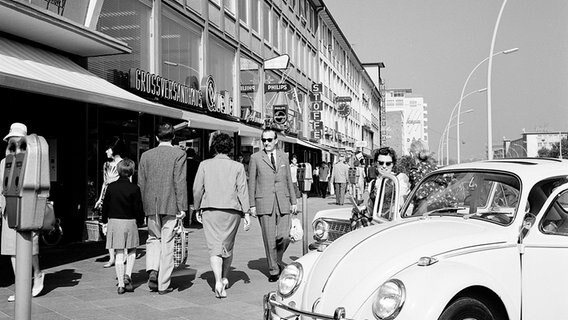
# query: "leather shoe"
{"type": "Point", "coordinates": [121, 290]}
{"type": "Point", "coordinates": [128, 283]}
{"type": "Point", "coordinates": [153, 280]}
{"type": "Point", "coordinates": [168, 290]}
{"type": "Point", "coordinates": [273, 277]}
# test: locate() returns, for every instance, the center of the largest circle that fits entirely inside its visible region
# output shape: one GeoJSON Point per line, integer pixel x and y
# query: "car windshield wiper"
{"type": "Point", "coordinates": [445, 209]}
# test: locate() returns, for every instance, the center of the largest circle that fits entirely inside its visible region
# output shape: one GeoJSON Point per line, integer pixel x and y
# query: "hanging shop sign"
{"type": "Point", "coordinates": [280, 114]}
{"type": "Point", "coordinates": [156, 86]}
{"type": "Point", "coordinates": [246, 88]}
{"type": "Point", "coordinates": [249, 115]}
{"type": "Point", "coordinates": [277, 87]}
{"type": "Point", "coordinates": [343, 105]}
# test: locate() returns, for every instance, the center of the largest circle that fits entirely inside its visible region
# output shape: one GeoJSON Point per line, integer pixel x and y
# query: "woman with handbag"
{"type": "Point", "coordinates": [220, 190]}
{"type": "Point", "coordinates": [115, 150]}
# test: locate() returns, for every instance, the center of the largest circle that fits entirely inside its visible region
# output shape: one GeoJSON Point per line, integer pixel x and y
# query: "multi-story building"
{"type": "Point", "coordinates": [81, 72]}
{"type": "Point", "coordinates": [415, 116]}
{"type": "Point", "coordinates": [530, 143]}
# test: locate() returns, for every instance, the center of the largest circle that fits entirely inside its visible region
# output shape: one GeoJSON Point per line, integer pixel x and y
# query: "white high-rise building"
{"type": "Point", "coordinates": [415, 116]}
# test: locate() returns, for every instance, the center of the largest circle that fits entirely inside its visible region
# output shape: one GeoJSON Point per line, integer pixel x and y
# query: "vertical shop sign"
{"type": "Point", "coordinates": [315, 94]}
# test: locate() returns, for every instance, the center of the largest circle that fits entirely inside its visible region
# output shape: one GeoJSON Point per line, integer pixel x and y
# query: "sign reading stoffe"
{"type": "Point", "coordinates": [154, 85]}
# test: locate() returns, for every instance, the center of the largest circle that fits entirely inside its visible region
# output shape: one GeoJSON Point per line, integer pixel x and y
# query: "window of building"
{"type": "Point", "coordinates": [275, 24]}
{"type": "Point", "coordinates": [243, 11]}
{"type": "Point", "coordinates": [221, 65]}
{"type": "Point", "coordinates": [230, 5]}
{"type": "Point", "coordinates": [128, 21]}
{"type": "Point", "coordinates": [181, 48]}
{"type": "Point", "coordinates": [284, 32]}
{"type": "Point", "coordinates": [250, 94]}
{"type": "Point", "coordinates": [266, 21]}
{"type": "Point", "coordinates": [254, 15]}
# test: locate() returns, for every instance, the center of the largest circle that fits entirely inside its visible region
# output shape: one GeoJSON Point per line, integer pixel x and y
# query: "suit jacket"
{"type": "Point", "coordinates": [163, 181]}
{"type": "Point", "coordinates": [221, 183]}
{"type": "Point", "coordinates": [122, 201]}
{"type": "Point", "coordinates": [268, 184]}
{"type": "Point", "coordinates": [340, 173]}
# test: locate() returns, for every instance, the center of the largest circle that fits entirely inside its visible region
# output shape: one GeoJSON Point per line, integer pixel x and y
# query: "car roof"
{"type": "Point", "coordinates": [525, 168]}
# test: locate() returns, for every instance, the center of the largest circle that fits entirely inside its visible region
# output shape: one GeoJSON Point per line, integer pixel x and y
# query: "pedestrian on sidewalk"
{"type": "Point", "coordinates": [122, 210]}
{"type": "Point", "coordinates": [272, 198]}
{"type": "Point", "coordinates": [323, 179]}
{"type": "Point", "coordinates": [339, 178]}
{"type": "Point", "coordinates": [17, 132]}
{"type": "Point", "coordinates": [115, 150]}
{"type": "Point", "coordinates": [220, 191]}
{"type": "Point", "coordinates": [163, 182]}
{"type": "Point", "coordinates": [294, 175]}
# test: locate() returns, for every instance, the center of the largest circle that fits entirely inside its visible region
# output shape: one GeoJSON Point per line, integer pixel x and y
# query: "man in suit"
{"type": "Point", "coordinates": [339, 178]}
{"type": "Point", "coordinates": [163, 183]}
{"type": "Point", "coordinates": [272, 198]}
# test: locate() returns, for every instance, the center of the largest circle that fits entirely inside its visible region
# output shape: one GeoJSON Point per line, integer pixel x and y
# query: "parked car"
{"type": "Point", "coordinates": [484, 240]}
{"type": "Point", "coordinates": [330, 224]}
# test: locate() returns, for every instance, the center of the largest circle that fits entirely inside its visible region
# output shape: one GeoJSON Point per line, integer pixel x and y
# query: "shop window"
{"type": "Point", "coordinates": [250, 93]}
{"type": "Point", "coordinates": [221, 66]}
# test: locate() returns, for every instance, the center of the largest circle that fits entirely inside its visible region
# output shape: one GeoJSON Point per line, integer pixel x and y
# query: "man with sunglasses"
{"type": "Point", "coordinates": [272, 199]}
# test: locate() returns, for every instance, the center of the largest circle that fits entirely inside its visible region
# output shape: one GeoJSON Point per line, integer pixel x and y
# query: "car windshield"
{"type": "Point", "coordinates": [477, 195]}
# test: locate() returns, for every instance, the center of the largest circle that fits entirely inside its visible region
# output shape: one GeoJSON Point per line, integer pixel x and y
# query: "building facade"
{"type": "Point", "coordinates": [530, 143]}
{"type": "Point", "coordinates": [415, 115]}
{"type": "Point", "coordinates": [119, 68]}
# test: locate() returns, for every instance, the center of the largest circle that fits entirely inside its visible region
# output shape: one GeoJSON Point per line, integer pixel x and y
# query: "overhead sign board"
{"type": "Point", "coordinates": [280, 114]}
{"type": "Point", "coordinates": [277, 87]}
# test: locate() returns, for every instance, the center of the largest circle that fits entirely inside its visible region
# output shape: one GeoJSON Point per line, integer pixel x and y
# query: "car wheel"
{"type": "Point", "coordinates": [467, 309]}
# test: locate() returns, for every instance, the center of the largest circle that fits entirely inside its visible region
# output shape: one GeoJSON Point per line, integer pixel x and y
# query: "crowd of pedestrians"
{"type": "Point", "coordinates": [170, 183]}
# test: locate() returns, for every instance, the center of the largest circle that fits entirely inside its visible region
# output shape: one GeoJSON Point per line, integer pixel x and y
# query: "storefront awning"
{"type": "Point", "coordinates": [248, 131]}
{"type": "Point", "coordinates": [27, 68]}
{"type": "Point", "coordinates": [204, 121]}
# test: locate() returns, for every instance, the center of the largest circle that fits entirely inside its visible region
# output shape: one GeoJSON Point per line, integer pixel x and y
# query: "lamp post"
{"type": "Point", "coordinates": [459, 104]}
{"type": "Point", "coordinates": [445, 132]}
{"type": "Point", "coordinates": [463, 90]}
{"type": "Point", "coordinates": [489, 70]}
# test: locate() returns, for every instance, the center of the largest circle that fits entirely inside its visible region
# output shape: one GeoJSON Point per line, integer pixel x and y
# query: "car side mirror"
{"type": "Point", "coordinates": [528, 222]}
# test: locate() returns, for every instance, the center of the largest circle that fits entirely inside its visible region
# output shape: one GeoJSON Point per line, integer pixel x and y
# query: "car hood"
{"type": "Point", "coordinates": [354, 266]}
{"type": "Point", "coordinates": [343, 213]}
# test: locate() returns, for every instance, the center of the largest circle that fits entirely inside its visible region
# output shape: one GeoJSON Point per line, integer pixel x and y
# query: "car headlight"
{"type": "Point", "coordinates": [389, 300]}
{"type": "Point", "coordinates": [290, 279]}
{"type": "Point", "coordinates": [321, 230]}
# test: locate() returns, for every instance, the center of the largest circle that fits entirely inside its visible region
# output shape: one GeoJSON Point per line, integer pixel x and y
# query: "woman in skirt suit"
{"type": "Point", "coordinates": [220, 190]}
{"type": "Point", "coordinates": [122, 209]}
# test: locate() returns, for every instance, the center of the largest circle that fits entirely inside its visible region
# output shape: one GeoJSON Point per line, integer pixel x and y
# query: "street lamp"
{"type": "Point", "coordinates": [446, 132]}
{"type": "Point", "coordinates": [489, 68]}
{"type": "Point", "coordinates": [463, 90]}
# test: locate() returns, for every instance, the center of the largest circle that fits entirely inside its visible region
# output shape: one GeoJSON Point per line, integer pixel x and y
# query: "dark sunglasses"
{"type": "Point", "coordinates": [267, 139]}
{"type": "Point", "coordinates": [382, 163]}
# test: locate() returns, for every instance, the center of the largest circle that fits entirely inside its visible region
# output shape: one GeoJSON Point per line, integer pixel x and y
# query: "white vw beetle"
{"type": "Point", "coordinates": [485, 240]}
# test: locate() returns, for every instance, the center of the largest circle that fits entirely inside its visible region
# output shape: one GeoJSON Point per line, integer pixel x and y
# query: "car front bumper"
{"type": "Point", "coordinates": [271, 308]}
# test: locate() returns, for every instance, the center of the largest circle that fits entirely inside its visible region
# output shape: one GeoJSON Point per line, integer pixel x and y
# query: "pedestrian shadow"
{"type": "Point", "coordinates": [260, 265]}
{"type": "Point", "coordinates": [182, 278]}
{"type": "Point", "coordinates": [234, 277]}
{"type": "Point", "coordinates": [60, 279]}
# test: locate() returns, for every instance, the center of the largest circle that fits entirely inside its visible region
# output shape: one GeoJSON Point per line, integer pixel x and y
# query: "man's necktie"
{"type": "Point", "coordinates": [272, 160]}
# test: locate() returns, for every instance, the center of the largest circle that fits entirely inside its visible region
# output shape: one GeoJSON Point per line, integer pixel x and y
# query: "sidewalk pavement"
{"type": "Point", "coordinates": [77, 286]}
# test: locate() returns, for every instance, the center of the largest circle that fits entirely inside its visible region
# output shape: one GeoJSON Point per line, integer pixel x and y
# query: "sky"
{"type": "Point", "coordinates": [432, 46]}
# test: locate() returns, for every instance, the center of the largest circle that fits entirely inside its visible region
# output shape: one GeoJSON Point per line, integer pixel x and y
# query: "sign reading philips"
{"type": "Point", "coordinates": [154, 85]}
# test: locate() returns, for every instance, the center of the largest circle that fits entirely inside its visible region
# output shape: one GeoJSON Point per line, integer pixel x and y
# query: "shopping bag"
{"type": "Point", "coordinates": [296, 230]}
{"type": "Point", "coordinates": [181, 244]}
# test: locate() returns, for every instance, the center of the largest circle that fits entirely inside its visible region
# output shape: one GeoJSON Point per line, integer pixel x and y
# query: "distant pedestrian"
{"type": "Point", "coordinates": [315, 176]}
{"type": "Point", "coordinates": [422, 162]}
{"type": "Point", "coordinates": [360, 180]}
{"type": "Point", "coordinates": [294, 173]}
{"type": "Point", "coordinates": [162, 178]}
{"type": "Point", "coordinates": [17, 132]}
{"type": "Point", "coordinates": [272, 198]}
{"type": "Point", "coordinates": [339, 178]}
{"type": "Point", "coordinates": [220, 191]}
{"type": "Point", "coordinates": [115, 150]}
{"type": "Point", "coordinates": [192, 165]}
{"type": "Point", "coordinates": [324, 174]}
{"type": "Point", "coordinates": [122, 210]}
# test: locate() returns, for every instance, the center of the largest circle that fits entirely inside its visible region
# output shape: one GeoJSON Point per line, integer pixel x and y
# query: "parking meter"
{"type": "Point", "coordinates": [26, 183]}
{"type": "Point", "coordinates": [352, 175]}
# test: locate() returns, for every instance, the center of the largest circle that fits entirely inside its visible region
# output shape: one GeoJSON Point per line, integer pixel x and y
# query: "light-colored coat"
{"type": "Point", "coordinates": [340, 173]}
{"type": "Point", "coordinates": [268, 184]}
{"type": "Point", "coordinates": [163, 181]}
{"type": "Point", "coordinates": [221, 183]}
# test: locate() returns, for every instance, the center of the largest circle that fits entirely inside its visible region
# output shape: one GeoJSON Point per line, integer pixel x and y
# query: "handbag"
{"type": "Point", "coordinates": [48, 217]}
{"type": "Point", "coordinates": [296, 230]}
{"type": "Point", "coordinates": [181, 244]}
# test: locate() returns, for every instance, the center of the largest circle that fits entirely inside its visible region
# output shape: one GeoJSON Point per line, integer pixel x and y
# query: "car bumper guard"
{"type": "Point", "coordinates": [270, 305]}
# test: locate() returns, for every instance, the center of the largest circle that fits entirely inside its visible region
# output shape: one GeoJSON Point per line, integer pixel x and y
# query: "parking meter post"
{"type": "Point", "coordinates": [305, 223]}
{"type": "Point", "coordinates": [23, 309]}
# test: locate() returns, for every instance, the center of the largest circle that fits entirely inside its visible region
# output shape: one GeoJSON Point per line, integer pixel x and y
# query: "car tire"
{"type": "Point", "coordinates": [467, 308]}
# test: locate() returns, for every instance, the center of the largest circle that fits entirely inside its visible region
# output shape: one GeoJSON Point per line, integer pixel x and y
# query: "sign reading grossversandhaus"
{"type": "Point", "coordinates": [173, 92]}
{"type": "Point", "coordinates": [159, 87]}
